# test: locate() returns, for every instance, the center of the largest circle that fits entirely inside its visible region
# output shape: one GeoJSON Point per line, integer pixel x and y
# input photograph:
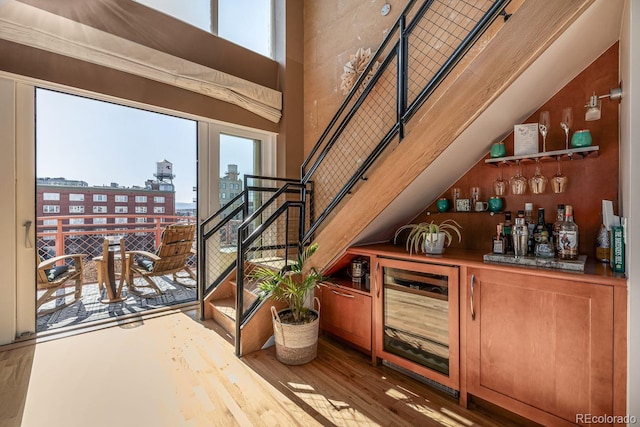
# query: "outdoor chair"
{"type": "Point", "coordinates": [53, 278]}
{"type": "Point", "coordinates": [176, 246]}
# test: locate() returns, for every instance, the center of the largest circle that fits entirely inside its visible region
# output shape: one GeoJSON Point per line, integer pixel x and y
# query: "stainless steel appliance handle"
{"type": "Point", "coordinates": [341, 294]}
{"type": "Point", "coordinates": [472, 285]}
{"type": "Point", "coordinates": [375, 280]}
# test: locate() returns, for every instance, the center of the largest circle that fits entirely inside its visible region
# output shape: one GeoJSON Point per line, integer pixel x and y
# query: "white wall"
{"type": "Point", "coordinates": [7, 212]}
{"type": "Point", "coordinates": [630, 173]}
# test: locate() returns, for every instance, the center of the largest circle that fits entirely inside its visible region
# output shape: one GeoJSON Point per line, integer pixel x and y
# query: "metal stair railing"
{"type": "Point", "coordinates": [218, 232]}
{"type": "Point", "coordinates": [421, 49]}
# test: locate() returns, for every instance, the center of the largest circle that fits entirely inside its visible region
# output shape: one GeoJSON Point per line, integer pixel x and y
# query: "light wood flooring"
{"type": "Point", "coordinates": [176, 371]}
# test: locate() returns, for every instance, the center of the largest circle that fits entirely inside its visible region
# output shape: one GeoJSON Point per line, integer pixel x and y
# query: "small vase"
{"type": "Point", "coordinates": [498, 150]}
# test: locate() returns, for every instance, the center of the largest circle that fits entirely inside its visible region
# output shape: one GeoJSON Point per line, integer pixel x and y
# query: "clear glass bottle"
{"type": "Point", "coordinates": [569, 236]}
{"type": "Point", "coordinates": [556, 227]}
{"type": "Point", "coordinates": [498, 241]}
{"type": "Point", "coordinates": [531, 225]}
{"type": "Point", "coordinates": [603, 245]}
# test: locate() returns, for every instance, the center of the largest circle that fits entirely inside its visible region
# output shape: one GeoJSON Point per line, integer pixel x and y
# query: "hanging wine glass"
{"type": "Point", "coordinates": [566, 123]}
{"type": "Point", "coordinates": [544, 125]}
{"type": "Point", "coordinates": [518, 182]}
{"type": "Point", "coordinates": [499, 185]}
{"type": "Point", "coordinates": [559, 181]}
{"type": "Point", "coordinates": [538, 182]}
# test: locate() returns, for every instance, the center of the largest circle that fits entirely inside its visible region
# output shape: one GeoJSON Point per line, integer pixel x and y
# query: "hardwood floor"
{"type": "Point", "coordinates": [176, 371]}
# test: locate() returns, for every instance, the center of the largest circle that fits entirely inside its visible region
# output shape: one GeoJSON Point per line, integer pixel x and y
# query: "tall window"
{"type": "Point", "coordinates": [248, 23]}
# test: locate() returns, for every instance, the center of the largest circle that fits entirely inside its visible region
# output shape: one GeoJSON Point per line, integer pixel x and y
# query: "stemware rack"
{"type": "Point", "coordinates": [572, 153]}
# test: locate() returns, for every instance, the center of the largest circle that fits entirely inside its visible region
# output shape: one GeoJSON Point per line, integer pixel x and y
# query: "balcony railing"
{"type": "Point", "coordinates": [55, 235]}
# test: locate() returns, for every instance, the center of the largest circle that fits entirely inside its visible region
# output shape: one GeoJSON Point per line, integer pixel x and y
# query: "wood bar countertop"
{"type": "Point", "coordinates": [594, 272]}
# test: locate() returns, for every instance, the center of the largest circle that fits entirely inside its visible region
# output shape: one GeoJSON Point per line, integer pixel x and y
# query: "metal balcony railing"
{"type": "Point", "coordinates": [68, 234]}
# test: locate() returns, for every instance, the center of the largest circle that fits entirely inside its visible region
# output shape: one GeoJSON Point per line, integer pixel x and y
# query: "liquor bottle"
{"type": "Point", "coordinates": [556, 228]}
{"type": "Point", "coordinates": [498, 241]}
{"type": "Point", "coordinates": [531, 225]}
{"type": "Point", "coordinates": [541, 236]}
{"type": "Point", "coordinates": [539, 226]}
{"type": "Point", "coordinates": [569, 236]}
{"type": "Point", "coordinates": [506, 231]}
{"type": "Point", "coordinates": [603, 245]}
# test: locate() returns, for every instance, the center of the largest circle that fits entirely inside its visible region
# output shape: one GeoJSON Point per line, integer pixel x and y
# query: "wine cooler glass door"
{"type": "Point", "coordinates": [417, 316]}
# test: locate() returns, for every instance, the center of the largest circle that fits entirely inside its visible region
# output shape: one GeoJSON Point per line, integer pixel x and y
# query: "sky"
{"type": "Point", "coordinates": [231, 14]}
{"type": "Point", "coordinates": [100, 143]}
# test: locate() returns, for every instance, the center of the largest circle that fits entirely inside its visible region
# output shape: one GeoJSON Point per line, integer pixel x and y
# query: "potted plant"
{"type": "Point", "coordinates": [295, 328]}
{"type": "Point", "coordinates": [429, 236]}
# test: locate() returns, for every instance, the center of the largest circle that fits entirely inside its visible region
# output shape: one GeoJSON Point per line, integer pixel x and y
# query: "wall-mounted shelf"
{"type": "Point", "coordinates": [572, 153]}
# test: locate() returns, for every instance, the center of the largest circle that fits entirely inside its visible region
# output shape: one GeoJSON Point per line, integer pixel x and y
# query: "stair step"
{"type": "Point", "coordinates": [226, 306]}
{"type": "Point", "coordinates": [224, 313]}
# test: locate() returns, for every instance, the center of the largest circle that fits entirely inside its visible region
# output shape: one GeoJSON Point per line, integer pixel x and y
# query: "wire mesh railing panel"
{"type": "Point", "coordinates": [221, 248]}
{"type": "Point", "coordinates": [275, 246]}
{"type": "Point", "coordinates": [435, 38]}
{"type": "Point", "coordinates": [376, 61]}
{"type": "Point", "coordinates": [376, 117]}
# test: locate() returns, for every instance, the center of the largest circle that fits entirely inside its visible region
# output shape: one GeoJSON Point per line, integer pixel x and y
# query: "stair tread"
{"type": "Point", "coordinates": [226, 306]}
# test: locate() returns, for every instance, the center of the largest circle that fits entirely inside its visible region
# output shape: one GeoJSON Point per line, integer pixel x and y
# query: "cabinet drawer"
{"type": "Point", "coordinates": [346, 314]}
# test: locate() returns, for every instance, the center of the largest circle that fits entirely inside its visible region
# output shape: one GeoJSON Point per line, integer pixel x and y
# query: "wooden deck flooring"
{"type": "Point", "coordinates": [176, 371]}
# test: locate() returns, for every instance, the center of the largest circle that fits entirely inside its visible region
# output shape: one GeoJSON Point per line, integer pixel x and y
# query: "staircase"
{"type": "Point", "coordinates": [425, 87]}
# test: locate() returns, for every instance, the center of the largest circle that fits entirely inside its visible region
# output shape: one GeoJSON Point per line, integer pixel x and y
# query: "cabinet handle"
{"type": "Point", "coordinates": [472, 285]}
{"type": "Point", "coordinates": [341, 294]}
{"type": "Point", "coordinates": [375, 280]}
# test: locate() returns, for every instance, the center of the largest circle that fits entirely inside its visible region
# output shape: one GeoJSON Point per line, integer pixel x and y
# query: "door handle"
{"type": "Point", "coordinates": [471, 286]}
{"type": "Point", "coordinates": [27, 234]}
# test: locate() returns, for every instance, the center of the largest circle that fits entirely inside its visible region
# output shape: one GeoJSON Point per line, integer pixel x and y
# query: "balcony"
{"type": "Point", "coordinates": [78, 234]}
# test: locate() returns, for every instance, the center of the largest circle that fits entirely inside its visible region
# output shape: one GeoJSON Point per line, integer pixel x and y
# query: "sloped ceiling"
{"type": "Point", "coordinates": [31, 26]}
{"type": "Point", "coordinates": [591, 35]}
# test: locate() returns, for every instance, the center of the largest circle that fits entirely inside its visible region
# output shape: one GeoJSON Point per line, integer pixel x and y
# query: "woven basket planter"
{"type": "Point", "coordinates": [296, 344]}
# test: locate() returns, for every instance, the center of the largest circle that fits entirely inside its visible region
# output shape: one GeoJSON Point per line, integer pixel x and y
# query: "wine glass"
{"type": "Point", "coordinates": [518, 182]}
{"type": "Point", "coordinates": [538, 182]}
{"type": "Point", "coordinates": [499, 185]}
{"type": "Point", "coordinates": [543, 125]}
{"type": "Point", "coordinates": [559, 181]}
{"type": "Point", "coordinates": [566, 123]}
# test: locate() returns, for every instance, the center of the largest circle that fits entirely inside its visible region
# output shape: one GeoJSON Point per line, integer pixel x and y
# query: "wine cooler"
{"type": "Point", "coordinates": [419, 328]}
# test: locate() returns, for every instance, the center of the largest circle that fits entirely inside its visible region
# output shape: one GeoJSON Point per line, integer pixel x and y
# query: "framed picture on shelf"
{"type": "Point", "coordinates": [525, 139]}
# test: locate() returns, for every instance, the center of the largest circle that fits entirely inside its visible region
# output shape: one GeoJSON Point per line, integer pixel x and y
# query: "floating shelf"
{"type": "Point", "coordinates": [572, 153]}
